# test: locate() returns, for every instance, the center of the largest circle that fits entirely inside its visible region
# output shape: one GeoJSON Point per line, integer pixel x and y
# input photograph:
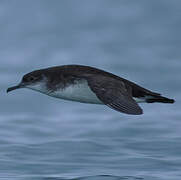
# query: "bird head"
{"type": "Point", "coordinates": [34, 80]}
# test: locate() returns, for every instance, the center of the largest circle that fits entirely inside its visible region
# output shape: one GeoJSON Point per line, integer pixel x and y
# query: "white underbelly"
{"type": "Point", "coordinates": [82, 93]}
{"type": "Point", "coordinates": [77, 92]}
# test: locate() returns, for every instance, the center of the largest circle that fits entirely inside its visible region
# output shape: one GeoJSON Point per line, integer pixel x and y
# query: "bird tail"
{"type": "Point", "coordinates": [159, 99]}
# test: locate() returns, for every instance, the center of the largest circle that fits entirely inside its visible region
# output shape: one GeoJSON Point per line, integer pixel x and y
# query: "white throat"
{"type": "Point", "coordinates": [39, 86]}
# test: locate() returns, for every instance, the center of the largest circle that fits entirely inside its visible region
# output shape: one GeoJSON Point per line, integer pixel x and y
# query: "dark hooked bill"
{"type": "Point", "coordinates": [13, 88]}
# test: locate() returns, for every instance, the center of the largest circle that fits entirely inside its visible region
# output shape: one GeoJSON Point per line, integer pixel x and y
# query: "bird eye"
{"type": "Point", "coordinates": [31, 78]}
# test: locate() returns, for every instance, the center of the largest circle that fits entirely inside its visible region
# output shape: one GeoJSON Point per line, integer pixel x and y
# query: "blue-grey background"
{"type": "Point", "coordinates": [46, 138]}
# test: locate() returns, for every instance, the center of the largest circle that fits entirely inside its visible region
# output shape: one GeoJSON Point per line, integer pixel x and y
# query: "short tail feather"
{"type": "Point", "coordinates": [160, 99]}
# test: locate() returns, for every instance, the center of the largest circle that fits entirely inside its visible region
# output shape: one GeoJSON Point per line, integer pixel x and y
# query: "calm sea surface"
{"type": "Point", "coordinates": [51, 139]}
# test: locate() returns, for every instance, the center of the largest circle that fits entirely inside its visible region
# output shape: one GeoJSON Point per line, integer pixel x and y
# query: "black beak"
{"type": "Point", "coordinates": [14, 87]}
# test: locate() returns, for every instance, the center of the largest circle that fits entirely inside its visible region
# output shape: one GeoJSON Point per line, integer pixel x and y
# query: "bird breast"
{"type": "Point", "coordinates": [77, 91]}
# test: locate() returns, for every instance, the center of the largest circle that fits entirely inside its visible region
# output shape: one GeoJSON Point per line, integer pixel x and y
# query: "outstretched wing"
{"type": "Point", "coordinates": [115, 94]}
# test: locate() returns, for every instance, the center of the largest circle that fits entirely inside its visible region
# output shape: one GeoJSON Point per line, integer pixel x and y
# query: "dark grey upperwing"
{"type": "Point", "coordinates": [114, 94]}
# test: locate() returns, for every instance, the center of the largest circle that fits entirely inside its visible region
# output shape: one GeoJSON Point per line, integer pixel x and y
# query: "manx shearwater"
{"type": "Point", "coordinates": [90, 85]}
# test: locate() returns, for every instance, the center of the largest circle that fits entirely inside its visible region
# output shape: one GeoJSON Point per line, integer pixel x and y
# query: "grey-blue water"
{"type": "Point", "coordinates": [46, 138]}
